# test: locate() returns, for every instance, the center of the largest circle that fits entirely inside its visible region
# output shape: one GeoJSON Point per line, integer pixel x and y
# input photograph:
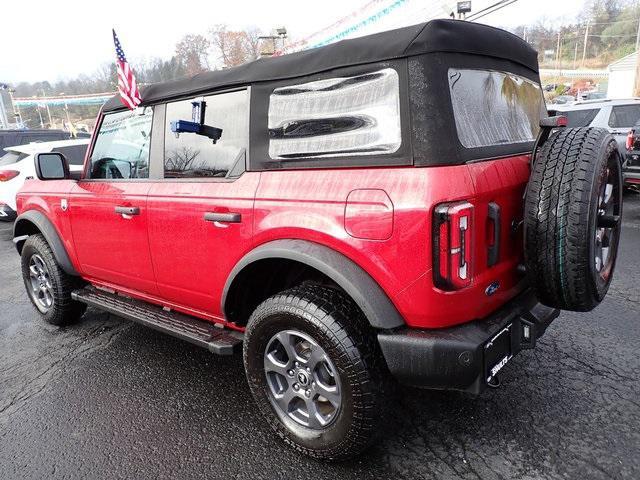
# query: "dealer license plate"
{"type": "Point", "coordinates": [497, 352]}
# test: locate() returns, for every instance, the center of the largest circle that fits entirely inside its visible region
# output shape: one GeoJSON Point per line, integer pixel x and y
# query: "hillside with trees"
{"type": "Point", "coordinates": [604, 31]}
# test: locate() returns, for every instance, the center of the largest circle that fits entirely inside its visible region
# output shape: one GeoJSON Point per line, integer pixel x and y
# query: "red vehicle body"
{"type": "Point", "coordinates": [385, 229]}
{"type": "Point", "coordinates": [378, 180]}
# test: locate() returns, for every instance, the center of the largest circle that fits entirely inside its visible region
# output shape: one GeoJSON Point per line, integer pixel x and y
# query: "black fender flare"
{"type": "Point", "coordinates": [357, 283]}
{"type": "Point", "coordinates": [23, 227]}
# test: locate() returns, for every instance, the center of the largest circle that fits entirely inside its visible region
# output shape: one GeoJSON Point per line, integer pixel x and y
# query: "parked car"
{"type": "Point", "coordinates": [592, 95]}
{"type": "Point", "coordinates": [17, 164]}
{"type": "Point", "coordinates": [9, 138]}
{"type": "Point", "coordinates": [631, 165]}
{"type": "Point", "coordinates": [349, 216]}
{"type": "Point", "coordinates": [617, 116]}
{"type": "Point", "coordinates": [563, 100]}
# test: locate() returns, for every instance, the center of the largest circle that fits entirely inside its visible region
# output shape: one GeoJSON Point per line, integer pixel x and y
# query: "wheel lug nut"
{"type": "Point", "coordinates": [308, 370]}
{"type": "Point", "coordinates": [307, 393]}
{"type": "Point", "coordinates": [296, 386]}
{"type": "Point", "coordinates": [290, 373]}
{"type": "Point", "coordinates": [313, 384]}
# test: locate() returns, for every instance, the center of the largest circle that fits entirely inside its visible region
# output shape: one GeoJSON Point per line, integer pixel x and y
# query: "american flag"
{"type": "Point", "coordinates": [127, 86]}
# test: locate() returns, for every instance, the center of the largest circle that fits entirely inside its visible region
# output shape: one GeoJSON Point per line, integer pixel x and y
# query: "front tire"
{"type": "Point", "coordinates": [48, 286]}
{"type": "Point", "coordinates": [314, 370]}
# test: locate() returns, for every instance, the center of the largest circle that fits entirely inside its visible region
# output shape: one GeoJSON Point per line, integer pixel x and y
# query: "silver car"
{"type": "Point", "coordinates": [618, 116]}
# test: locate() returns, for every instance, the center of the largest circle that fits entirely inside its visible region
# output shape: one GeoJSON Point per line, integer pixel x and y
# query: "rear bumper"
{"type": "Point", "coordinates": [631, 168]}
{"type": "Point", "coordinates": [463, 357]}
{"type": "Point", "coordinates": [7, 213]}
{"type": "Point", "coordinates": [631, 176]}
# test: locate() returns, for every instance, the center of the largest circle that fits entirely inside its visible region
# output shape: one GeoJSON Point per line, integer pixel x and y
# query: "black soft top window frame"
{"type": "Point", "coordinates": [434, 133]}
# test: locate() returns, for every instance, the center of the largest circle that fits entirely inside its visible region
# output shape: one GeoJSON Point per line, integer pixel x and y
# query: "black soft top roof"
{"type": "Point", "coordinates": [434, 36]}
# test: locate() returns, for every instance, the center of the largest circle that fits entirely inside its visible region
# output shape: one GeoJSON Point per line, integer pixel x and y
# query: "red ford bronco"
{"type": "Point", "coordinates": [397, 206]}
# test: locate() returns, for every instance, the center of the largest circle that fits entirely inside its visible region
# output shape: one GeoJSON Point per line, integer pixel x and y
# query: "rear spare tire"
{"type": "Point", "coordinates": [573, 207]}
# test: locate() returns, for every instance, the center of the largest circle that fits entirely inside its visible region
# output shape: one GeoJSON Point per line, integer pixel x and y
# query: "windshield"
{"type": "Point", "coordinates": [12, 157]}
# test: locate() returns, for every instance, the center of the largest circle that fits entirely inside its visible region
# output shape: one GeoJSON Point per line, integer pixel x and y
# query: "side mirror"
{"type": "Point", "coordinates": [52, 166]}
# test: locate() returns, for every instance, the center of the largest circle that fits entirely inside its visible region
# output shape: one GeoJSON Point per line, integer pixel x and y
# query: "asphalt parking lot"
{"type": "Point", "coordinates": [109, 399]}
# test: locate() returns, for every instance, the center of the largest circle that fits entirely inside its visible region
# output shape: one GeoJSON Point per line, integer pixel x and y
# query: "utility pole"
{"type": "Point", "coordinates": [636, 82]}
{"type": "Point", "coordinates": [584, 47]}
{"type": "Point", "coordinates": [558, 52]}
{"type": "Point", "coordinates": [638, 37]}
{"type": "Point", "coordinates": [39, 112]}
{"type": "Point", "coordinates": [575, 53]}
{"type": "Point", "coordinates": [48, 111]}
{"type": "Point", "coordinates": [16, 110]}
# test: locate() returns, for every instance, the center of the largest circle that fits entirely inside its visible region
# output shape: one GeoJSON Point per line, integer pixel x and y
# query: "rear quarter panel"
{"type": "Point", "coordinates": [310, 205]}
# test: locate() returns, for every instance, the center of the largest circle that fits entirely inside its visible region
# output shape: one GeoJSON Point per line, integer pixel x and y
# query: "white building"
{"type": "Point", "coordinates": [622, 75]}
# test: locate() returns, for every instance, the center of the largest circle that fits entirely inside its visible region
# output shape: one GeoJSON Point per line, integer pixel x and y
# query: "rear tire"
{"type": "Point", "coordinates": [572, 219]}
{"type": "Point", "coordinates": [323, 321]}
{"type": "Point", "coordinates": [48, 286]}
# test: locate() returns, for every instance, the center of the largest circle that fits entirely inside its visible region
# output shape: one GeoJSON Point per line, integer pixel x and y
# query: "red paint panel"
{"type": "Point", "coordinates": [369, 214]}
{"type": "Point", "coordinates": [192, 257]}
{"type": "Point", "coordinates": [109, 246]}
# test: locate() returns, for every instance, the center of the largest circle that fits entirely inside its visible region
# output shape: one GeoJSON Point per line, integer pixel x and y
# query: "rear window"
{"type": "Point", "coordinates": [624, 116]}
{"type": "Point", "coordinates": [580, 118]}
{"type": "Point", "coordinates": [494, 108]}
{"type": "Point", "coordinates": [73, 153]}
{"type": "Point", "coordinates": [11, 157]}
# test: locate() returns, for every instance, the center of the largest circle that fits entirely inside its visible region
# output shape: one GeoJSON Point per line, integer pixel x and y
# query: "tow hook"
{"type": "Point", "coordinates": [494, 382]}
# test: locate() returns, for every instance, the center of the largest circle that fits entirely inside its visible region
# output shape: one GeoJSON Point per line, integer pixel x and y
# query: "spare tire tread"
{"type": "Point", "coordinates": [557, 205]}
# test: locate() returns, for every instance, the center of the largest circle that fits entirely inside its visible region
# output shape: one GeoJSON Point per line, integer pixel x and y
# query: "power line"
{"type": "Point", "coordinates": [490, 9]}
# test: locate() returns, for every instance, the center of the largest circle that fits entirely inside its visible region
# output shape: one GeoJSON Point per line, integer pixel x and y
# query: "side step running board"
{"type": "Point", "coordinates": [193, 330]}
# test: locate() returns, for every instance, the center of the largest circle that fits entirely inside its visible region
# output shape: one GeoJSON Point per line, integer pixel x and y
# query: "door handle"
{"type": "Point", "coordinates": [223, 217]}
{"type": "Point", "coordinates": [128, 211]}
{"type": "Point", "coordinates": [493, 251]}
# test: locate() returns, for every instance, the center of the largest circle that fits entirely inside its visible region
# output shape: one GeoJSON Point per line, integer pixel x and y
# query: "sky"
{"type": "Point", "coordinates": [53, 40]}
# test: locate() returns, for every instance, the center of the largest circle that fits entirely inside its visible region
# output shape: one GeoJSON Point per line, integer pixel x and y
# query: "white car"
{"type": "Point", "coordinates": [17, 164]}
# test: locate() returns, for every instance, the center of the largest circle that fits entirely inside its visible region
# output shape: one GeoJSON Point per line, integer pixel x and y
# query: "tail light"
{"type": "Point", "coordinates": [629, 142]}
{"type": "Point", "coordinates": [6, 175]}
{"type": "Point", "coordinates": [452, 245]}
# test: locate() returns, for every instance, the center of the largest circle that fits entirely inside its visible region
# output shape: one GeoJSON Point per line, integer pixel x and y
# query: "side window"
{"type": "Point", "coordinates": [189, 155]}
{"type": "Point", "coordinates": [495, 108]}
{"type": "Point", "coordinates": [624, 116]}
{"type": "Point", "coordinates": [340, 116]}
{"type": "Point", "coordinates": [121, 149]}
{"type": "Point", "coordinates": [73, 153]}
{"type": "Point", "coordinates": [580, 118]}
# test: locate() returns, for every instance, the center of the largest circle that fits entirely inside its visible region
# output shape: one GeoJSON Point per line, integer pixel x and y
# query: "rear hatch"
{"type": "Point", "coordinates": [498, 248]}
{"type": "Point", "coordinates": [476, 256]}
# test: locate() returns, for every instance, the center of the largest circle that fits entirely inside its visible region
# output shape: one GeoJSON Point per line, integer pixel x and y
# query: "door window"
{"type": "Point", "coordinates": [190, 155]}
{"type": "Point", "coordinates": [121, 150]}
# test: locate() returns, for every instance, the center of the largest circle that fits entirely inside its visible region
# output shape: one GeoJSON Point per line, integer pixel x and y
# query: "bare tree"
{"type": "Point", "coordinates": [182, 159]}
{"type": "Point", "coordinates": [192, 52]}
{"type": "Point", "coordinates": [235, 47]}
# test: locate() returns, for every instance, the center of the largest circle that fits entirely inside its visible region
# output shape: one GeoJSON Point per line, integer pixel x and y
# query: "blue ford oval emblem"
{"type": "Point", "coordinates": [492, 288]}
